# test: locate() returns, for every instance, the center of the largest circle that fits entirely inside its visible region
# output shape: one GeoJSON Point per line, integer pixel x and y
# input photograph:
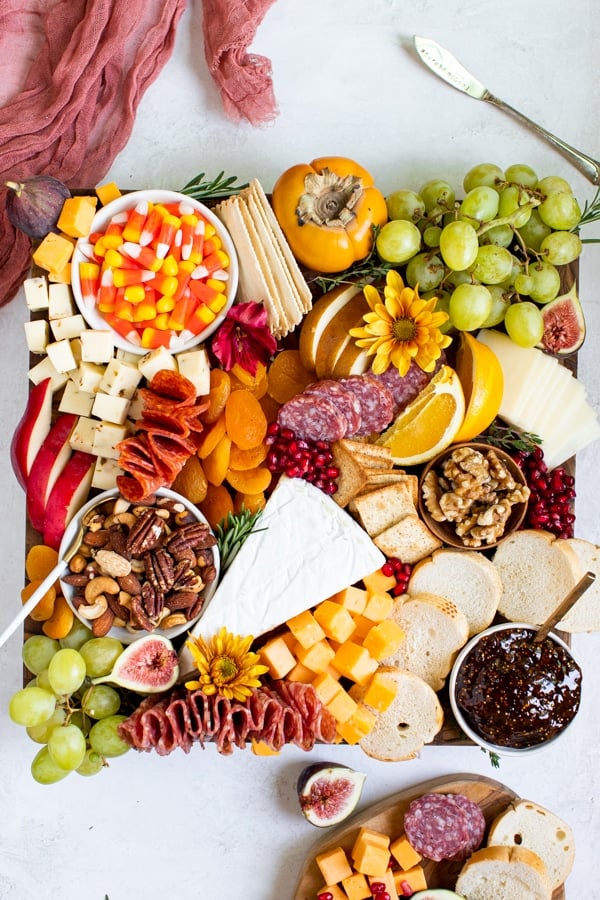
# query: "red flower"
{"type": "Point", "coordinates": [244, 338]}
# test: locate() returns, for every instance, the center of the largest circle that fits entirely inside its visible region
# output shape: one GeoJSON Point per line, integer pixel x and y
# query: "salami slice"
{"type": "Point", "coordinates": [344, 399]}
{"type": "Point", "coordinates": [313, 418]}
{"type": "Point", "coordinates": [376, 402]}
{"type": "Point", "coordinates": [475, 823]}
{"type": "Point", "coordinates": [405, 388]}
{"type": "Point", "coordinates": [437, 827]}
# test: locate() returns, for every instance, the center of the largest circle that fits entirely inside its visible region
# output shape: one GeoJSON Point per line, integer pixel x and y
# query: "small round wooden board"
{"type": "Point", "coordinates": [388, 815]}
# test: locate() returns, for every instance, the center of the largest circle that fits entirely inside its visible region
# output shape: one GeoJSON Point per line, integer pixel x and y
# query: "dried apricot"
{"type": "Point", "coordinates": [245, 420]}
{"type": "Point", "coordinates": [254, 481]}
{"type": "Point", "coordinates": [216, 463]}
{"type": "Point", "coordinates": [45, 607]}
{"type": "Point", "coordinates": [211, 437]}
{"type": "Point", "coordinates": [220, 388]}
{"type": "Point", "coordinates": [60, 622]}
{"type": "Point", "coordinates": [40, 561]}
{"type": "Point", "coordinates": [251, 502]}
{"type": "Point", "coordinates": [270, 407]}
{"type": "Point", "coordinates": [217, 504]}
{"type": "Point", "coordinates": [288, 376]}
{"type": "Point", "coordinates": [242, 460]}
{"type": "Point", "coordinates": [191, 481]}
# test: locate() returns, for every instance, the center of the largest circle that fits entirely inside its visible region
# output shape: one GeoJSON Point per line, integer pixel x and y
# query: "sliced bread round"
{"type": "Point", "coordinates": [467, 578]}
{"type": "Point", "coordinates": [412, 720]}
{"type": "Point", "coordinates": [585, 615]}
{"type": "Point", "coordinates": [435, 630]}
{"type": "Point", "coordinates": [536, 575]}
{"type": "Point", "coordinates": [504, 873]}
{"type": "Point", "coordinates": [526, 824]}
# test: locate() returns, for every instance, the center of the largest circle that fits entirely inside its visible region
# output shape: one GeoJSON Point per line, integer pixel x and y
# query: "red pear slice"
{"type": "Point", "coordinates": [68, 496]}
{"type": "Point", "coordinates": [47, 466]}
{"type": "Point", "coordinates": [31, 431]}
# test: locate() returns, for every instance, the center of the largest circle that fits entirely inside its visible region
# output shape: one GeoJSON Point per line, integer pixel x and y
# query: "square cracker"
{"type": "Point", "coordinates": [409, 540]}
{"type": "Point", "coordinates": [383, 507]}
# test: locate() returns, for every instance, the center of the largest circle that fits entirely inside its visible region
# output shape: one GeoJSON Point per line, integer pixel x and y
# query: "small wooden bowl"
{"type": "Point", "coordinates": [445, 531]}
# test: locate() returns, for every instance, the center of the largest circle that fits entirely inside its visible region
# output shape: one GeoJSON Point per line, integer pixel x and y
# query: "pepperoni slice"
{"type": "Point", "coordinates": [313, 418]}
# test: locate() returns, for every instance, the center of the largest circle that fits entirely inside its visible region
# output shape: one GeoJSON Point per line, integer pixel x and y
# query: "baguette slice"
{"type": "Point", "coordinates": [465, 577]}
{"type": "Point", "coordinates": [536, 574]}
{"type": "Point", "coordinates": [585, 615]}
{"type": "Point", "coordinates": [412, 720]}
{"type": "Point", "coordinates": [504, 873]}
{"type": "Point", "coordinates": [526, 824]}
{"type": "Point", "coordinates": [435, 630]}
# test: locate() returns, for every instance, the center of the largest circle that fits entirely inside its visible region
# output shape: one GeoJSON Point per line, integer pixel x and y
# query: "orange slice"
{"type": "Point", "coordinates": [480, 374]}
{"type": "Point", "coordinates": [430, 423]}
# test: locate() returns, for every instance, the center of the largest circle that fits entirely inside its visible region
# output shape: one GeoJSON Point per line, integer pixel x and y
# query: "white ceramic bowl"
{"type": "Point", "coordinates": [123, 634]}
{"type": "Point", "coordinates": [101, 220]}
{"type": "Point", "coordinates": [470, 732]}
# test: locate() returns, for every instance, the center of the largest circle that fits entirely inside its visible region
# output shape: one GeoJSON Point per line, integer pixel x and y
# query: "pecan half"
{"type": "Point", "coordinates": [146, 534]}
{"type": "Point", "coordinates": [160, 571]}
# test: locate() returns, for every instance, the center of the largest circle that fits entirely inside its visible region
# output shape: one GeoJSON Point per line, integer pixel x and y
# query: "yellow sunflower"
{"type": "Point", "coordinates": [401, 328]}
{"type": "Point", "coordinates": [226, 666]}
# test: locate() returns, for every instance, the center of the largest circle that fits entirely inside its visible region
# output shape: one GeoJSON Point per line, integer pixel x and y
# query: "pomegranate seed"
{"type": "Point", "coordinates": [273, 428]}
{"type": "Point", "coordinates": [398, 589]}
{"type": "Point", "coordinates": [387, 568]}
{"type": "Point", "coordinates": [377, 886]}
{"type": "Point", "coordinates": [325, 895]}
{"type": "Point", "coordinates": [330, 488]}
{"type": "Point", "coordinates": [331, 472]}
{"type": "Point", "coordinates": [319, 483]}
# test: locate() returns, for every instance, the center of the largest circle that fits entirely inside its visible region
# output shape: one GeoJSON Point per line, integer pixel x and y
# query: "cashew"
{"type": "Point", "coordinates": [102, 584]}
{"type": "Point", "coordinates": [94, 610]}
{"type": "Point", "coordinates": [123, 518]}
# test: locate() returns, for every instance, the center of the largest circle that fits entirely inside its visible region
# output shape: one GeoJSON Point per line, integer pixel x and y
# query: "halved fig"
{"type": "Point", "coordinates": [564, 324]}
{"type": "Point", "coordinates": [328, 792]}
{"type": "Point", "coordinates": [148, 666]}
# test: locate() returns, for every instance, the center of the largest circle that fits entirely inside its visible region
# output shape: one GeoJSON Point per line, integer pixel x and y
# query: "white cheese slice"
{"type": "Point", "coordinates": [309, 549]}
{"type": "Point", "coordinates": [36, 292]}
{"type": "Point", "coordinates": [36, 335]}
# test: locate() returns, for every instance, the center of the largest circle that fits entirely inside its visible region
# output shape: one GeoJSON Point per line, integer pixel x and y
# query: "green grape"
{"type": "Point", "coordinates": [398, 241]}
{"type": "Point", "coordinates": [104, 739]}
{"type": "Point", "coordinates": [560, 211]}
{"type": "Point", "coordinates": [493, 264]}
{"type": "Point", "coordinates": [431, 236]}
{"type": "Point", "coordinates": [66, 746]}
{"type": "Point", "coordinates": [453, 279]}
{"type": "Point", "coordinates": [524, 284]}
{"type": "Point", "coordinates": [31, 706]}
{"type": "Point", "coordinates": [77, 636]}
{"type": "Point", "coordinates": [534, 231]}
{"type": "Point", "coordinates": [480, 204]}
{"type": "Point", "coordinates": [546, 282]}
{"type": "Point", "coordinates": [44, 770]}
{"type": "Point", "coordinates": [405, 204]}
{"type": "Point", "coordinates": [512, 199]}
{"type": "Point", "coordinates": [41, 733]}
{"type": "Point", "coordinates": [470, 305]}
{"type": "Point", "coordinates": [79, 718]}
{"type": "Point", "coordinates": [484, 174]}
{"type": "Point", "coordinates": [521, 174]}
{"type": "Point", "coordinates": [437, 195]}
{"type": "Point", "coordinates": [66, 671]}
{"type": "Point", "coordinates": [37, 651]}
{"type": "Point", "coordinates": [100, 701]}
{"type": "Point", "coordinates": [499, 235]}
{"type": "Point", "coordinates": [442, 305]}
{"type": "Point", "coordinates": [500, 303]}
{"type": "Point", "coordinates": [524, 323]}
{"type": "Point", "coordinates": [459, 245]}
{"type": "Point", "coordinates": [426, 270]}
{"type": "Point", "coordinates": [100, 655]}
{"type": "Point", "coordinates": [516, 270]}
{"type": "Point", "coordinates": [92, 763]}
{"type": "Point", "coordinates": [553, 184]}
{"type": "Point", "coordinates": [42, 681]}
{"type": "Point", "coordinates": [561, 247]}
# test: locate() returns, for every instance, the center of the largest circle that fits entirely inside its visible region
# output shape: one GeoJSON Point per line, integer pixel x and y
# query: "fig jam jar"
{"type": "Point", "coordinates": [515, 693]}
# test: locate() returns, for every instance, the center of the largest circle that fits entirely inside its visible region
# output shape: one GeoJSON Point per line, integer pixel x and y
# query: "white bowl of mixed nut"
{"type": "Point", "coordinates": [139, 568]}
{"type": "Point", "coordinates": [473, 496]}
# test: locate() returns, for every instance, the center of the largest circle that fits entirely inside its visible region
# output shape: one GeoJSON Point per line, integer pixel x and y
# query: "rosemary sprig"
{"type": "Point", "coordinates": [494, 758]}
{"type": "Point", "coordinates": [589, 214]}
{"type": "Point", "coordinates": [508, 438]}
{"type": "Point", "coordinates": [220, 186]}
{"type": "Point", "coordinates": [232, 531]}
{"type": "Point", "coordinates": [361, 273]}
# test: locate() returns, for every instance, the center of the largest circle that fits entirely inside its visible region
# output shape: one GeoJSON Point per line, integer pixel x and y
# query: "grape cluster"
{"type": "Point", "coordinates": [492, 256]}
{"type": "Point", "coordinates": [550, 505]}
{"type": "Point", "coordinates": [310, 460]}
{"type": "Point", "coordinates": [75, 720]}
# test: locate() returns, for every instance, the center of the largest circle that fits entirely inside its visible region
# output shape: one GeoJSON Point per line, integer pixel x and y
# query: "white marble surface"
{"type": "Point", "coordinates": [202, 826]}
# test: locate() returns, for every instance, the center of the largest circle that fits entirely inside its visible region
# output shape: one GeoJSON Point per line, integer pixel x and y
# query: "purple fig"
{"type": "Point", "coordinates": [34, 204]}
{"type": "Point", "coordinates": [149, 665]}
{"type": "Point", "coordinates": [328, 792]}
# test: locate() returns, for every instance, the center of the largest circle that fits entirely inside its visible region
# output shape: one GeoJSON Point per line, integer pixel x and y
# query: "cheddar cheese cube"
{"type": "Point", "coordinates": [378, 607]}
{"type": "Point", "coordinates": [355, 662]}
{"type": "Point", "coordinates": [326, 687]}
{"type": "Point", "coordinates": [317, 657]}
{"type": "Point", "coordinates": [404, 854]}
{"type": "Point", "coordinates": [388, 881]}
{"type": "Point", "coordinates": [261, 748]}
{"type": "Point", "coordinates": [371, 859]}
{"type": "Point", "coordinates": [383, 639]}
{"type": "Point", "coordinates": [301, 674]}
{"type": "Point", "coordinates": [76, 216]}
{"type": "Point", "coordinates": [333, 865]}
{"type": "Point", "coordinates": [377, 582]}
{"type": "Point", "coordinates": [53, 253]}
{"type": "Point", "coordinates": [362, 626]}
{"type": "Point", "coordinates": [107, 192]}
{"type": "Point", "coordinates": [336, 622]}
{"type": "Point", "coordinates": [358, 726]}
{"type": "Point", "coordinates": [351, 598]}
{"type": "Point", "coordinates": [380, 691]}
{"type": "Point", "coordinates": [356, 887]}
{"type": "Point", "coordinates": [306, 629]}
{"type": "Point", "coordinates": [413, 880]}
{"type": "Point", "coordinates": [341, 706]}
{"type": "Point", "coordinates": [277, 656]}
{"type": "Point", "coordinates": [369, 836]}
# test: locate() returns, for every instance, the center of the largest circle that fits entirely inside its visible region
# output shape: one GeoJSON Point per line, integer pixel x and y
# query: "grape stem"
{"type": "Point", "coordinates": [507, 220]}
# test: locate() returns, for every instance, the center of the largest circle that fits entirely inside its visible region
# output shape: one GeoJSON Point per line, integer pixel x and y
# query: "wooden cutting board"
{"type": "Point", "coordinates": [388, 815]}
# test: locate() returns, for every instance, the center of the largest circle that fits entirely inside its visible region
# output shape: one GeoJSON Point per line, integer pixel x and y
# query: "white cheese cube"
{"type": "Point", "coordinates": [106, 437]}
{"type": "Point", "coordinates": [88, 377]}
{"type": "Point", "coordinates": [36, 335]}
{"type": "Point", "coordinates": [96, 346]}
{"type": "Point", "coordinates": [153, 362]}
{"type": "Point", "coordinates": [112, 409]}
{"type": "Point", "coordinates": [82, 436]}
{"type": "Point", "coordinates": [75, 401]}
{"type": "Point", "coordinates": [76, 351]}
{"type": "Point", "coordinates": [120, 379]}
{"type": "Point", "coordinates": [36, 292]}
{"type": "Point", "coordinates": [194, 365]}
{"type": "Point", "coordinates": [61, 356]}
{"type": "Point", "coordinates": [60, 301]}
{"type": "Point", "coordinates": [45, 369]}
{"type": "Point", "coordinates": [127, 356]}
{"type": "Point", "coordinates": [105, 474]}
{"type": "Point", "coordinates": [67, 327]}
{"type": "Point", "coordinates": [136, 407]}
